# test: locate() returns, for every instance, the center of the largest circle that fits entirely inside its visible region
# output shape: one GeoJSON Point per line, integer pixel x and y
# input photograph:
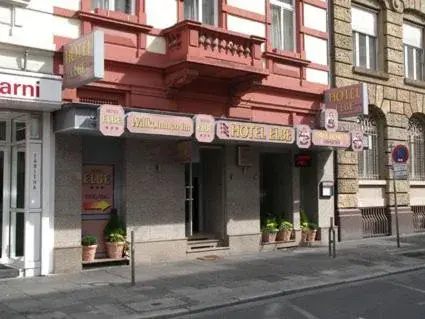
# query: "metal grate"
{"type": "Point", "coordinates": [375, 221]}
{"type": "Point", "coordinates": [369, 159]}
{"type": "Point", "coordinates": [418, 218]}
{"type": "Point", "coordinates": [99, 100]}
{"type": "Point", "coordinates": [417, 148]}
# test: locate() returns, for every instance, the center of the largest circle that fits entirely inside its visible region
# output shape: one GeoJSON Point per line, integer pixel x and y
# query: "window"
{"type": "Point", "coordinates": [364, 25]}
{"type": "Point", "coordinates": [125, 6]}
{"type": "Point", "coordinates": [204, 11]}
{"type": "Point", "coordinates": [417, 148]}
{"type": "Point", "coordinates": [282, 31]}
{"type": "Point", "coordinates": [369, 160]}
{"type": "Point", "coordinates": [413, 51]}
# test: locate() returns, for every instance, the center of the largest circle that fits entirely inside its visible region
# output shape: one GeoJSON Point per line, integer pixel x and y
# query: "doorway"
{"type": "Point", "coordinates": [204, 213]}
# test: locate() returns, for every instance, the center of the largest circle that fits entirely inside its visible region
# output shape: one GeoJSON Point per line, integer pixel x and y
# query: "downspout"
{"type": "Point", "coordinates": [331, 62]}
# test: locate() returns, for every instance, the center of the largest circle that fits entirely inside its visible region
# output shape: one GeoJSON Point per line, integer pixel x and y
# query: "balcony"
{"type": "Point", "coordinates": [195, 50]}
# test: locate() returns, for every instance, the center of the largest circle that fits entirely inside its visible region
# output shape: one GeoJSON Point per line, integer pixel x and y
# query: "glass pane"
{"type": "Point", "coordinates": [123, 6]}
{"type": "Point", "coordinates": [276, 28]}
{"type": "Point", "coordinates": [101, 4]}
{"type": "Point", "coordinates": [208, 12]}
{"type": "Point", "coordinates": [2, 131]}
{"type": "Point", "coordinates": [372, 53]}
{"type": "Point", "coordinates": [19, 128]}
{"type": "Point", "coordinates": [19, 234]}
{"type": "Point", "coordinates": [410, 64]}
{"type": "Point", "coordinates": [286, 1]}
{"type": "Point", "coordinates": [35, 128]}
{"type": "Point", "coordinates": [362, 50]}
{"type": "Point", "coordinates": [354, 49]}
{"type": "Point", "coordinates": [419, 64]}
{"type": "Point", "coordinates": [191, 10]}
{"type": "Point", "coordinates": [288, 30]}
{"type": "Point", "coordinates": [20, 179]}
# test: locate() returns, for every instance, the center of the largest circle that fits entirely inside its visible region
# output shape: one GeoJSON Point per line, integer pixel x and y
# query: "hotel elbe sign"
{"type": "Point", "coordinates": [349, 101]}
{"type": "Point", "coordinates": [111, 119]}
{"type": "Point", "coordinates": [83, 60]}
{"type": "Point", "coordinates": [254, 132]}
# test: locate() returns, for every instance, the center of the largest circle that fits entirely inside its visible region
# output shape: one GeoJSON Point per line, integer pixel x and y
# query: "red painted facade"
{"type": "Point", "coordinates": [205, 69]}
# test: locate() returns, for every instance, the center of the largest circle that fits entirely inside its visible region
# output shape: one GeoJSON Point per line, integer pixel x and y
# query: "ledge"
{"type": "Point", "coordinates": [287, 57]}
{"type": "Point", "coordinates": [372, 182]}
{"type": "Point", "coordinates": [417, 183]}
{"type": "Point", "coordinates": [371, 73]}
{"type": "Point", "coordinates": [102, 17]}
{"type": "Point", "coordinates": [416, 83]}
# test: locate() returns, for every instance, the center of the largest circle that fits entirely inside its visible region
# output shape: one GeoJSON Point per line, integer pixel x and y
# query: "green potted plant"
{"type": "Point", "coordinates": [304, 226]}
{"type": "Point", "coordinates": [115, 244]}
{"type": "Point", "coordinates": [89, 244]}
{"type": "Point", "coordinates": [313, 232]}
{"type": "Point", "coordinates": [285, 231]}
{"type": "Point", "coordinates": [270, 230]}
{"type": "Point", "coordinates": [115, 236]}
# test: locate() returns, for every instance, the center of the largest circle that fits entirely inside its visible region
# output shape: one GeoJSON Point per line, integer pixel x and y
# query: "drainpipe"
{"type": "Point", "coordinates": [331, 62]}
{"type": "Point", "coordinates": [24, 68]}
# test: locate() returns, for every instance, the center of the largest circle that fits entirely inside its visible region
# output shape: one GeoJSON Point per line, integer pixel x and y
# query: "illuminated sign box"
{"type": "Point", "coordinates": [349, 101]}
{"type": "Point", "coordinates": [84, 60]}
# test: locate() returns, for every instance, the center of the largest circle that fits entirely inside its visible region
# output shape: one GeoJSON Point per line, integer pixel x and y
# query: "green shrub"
{"type": "Point", "coordinates": [116, 237]}
{"type": "Point", "coordinates": [88, 240]}
{"type": "Point", "coordinates": [115, 225]}
{"type": "Point", "coordinates": [286, 225]}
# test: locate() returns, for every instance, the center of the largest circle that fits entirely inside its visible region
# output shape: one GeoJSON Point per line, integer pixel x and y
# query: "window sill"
{"type": "Point", "coordinates": [117, 20]}
{"type": "Point", "coordinates": [371, 73]}
{"type": "Point", "coordinates": [372, 182]}
{"type": "Point", "coordinates": [287, 57]}
{"type": "Point", "coordinates": [416, 83]}
{"type": "Point", "coordinates": [417, 183]}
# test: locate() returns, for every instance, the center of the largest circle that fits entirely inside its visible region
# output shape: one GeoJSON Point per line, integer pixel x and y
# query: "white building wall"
{"type": "Point", "coordinates": [246, 26]}
{"type": "Point", "coordinates": [161, 14]}
{"type": "Point", "coordinates": [257, 6]}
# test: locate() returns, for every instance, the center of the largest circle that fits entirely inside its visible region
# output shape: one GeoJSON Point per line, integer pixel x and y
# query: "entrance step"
{"type": "Point", "coordinates": [203, 244]}
{"type": "Point", "coordinates": [8, 272]}
{"type": "Point", "coordinates": [208, 253]}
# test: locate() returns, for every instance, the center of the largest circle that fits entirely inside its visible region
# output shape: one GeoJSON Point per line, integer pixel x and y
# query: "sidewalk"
{"type": "Point", "coordinates": [183, 287]}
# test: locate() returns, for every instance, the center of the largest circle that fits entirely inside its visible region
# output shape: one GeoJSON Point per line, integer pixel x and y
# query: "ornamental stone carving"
{"type": "Point", "coordinates": [398, 5]}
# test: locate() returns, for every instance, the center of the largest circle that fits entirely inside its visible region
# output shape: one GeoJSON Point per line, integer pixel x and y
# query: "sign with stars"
{"type": "Point", "coordinates": [111, 120]}
{"type": "Point", "coordinates": [204, 128]}
{"type": "Point", "coordinates": [98, 188]}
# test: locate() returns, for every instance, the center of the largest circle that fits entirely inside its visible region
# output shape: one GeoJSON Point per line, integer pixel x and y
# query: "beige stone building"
{"type": "Point", "coordinates": [380, 43]}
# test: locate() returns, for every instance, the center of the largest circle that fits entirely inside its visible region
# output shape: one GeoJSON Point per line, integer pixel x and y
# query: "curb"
{"type": "Point", "coordinates": [173, 313]}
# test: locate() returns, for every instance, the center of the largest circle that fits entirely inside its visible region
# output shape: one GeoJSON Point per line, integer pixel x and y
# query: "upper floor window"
{"type": "Point", "coordinates": [370, 160]}
{"type": "Point", "coordinates": [204, 11]}
{"type": "Point", "coordinates": [364, 25]}
{"type": "Point", "coordinates": [413, 51]}
{"type": "Point", "coordinates": [282, 31]}
{"type": "Point", "coordinates": [125, 6]}
{"type": "Point", "coordinates": [417, 148]}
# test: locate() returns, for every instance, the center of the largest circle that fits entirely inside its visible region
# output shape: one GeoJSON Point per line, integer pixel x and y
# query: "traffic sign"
{"type": "Point", "coordinates": [400, 171]}
{"type": "Point", "coordinates": [400, 154]}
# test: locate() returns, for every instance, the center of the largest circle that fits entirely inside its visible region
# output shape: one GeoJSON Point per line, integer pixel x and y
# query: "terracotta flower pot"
{"type": "Point", "coordinates": [269, 237]}
{"type": "Point", "coordinates": [312, 235]}
{"type": "Point", "coordinates": [115, 250]}
{"type": "Point", "coordinates": [284, 235]}
{"type": "Point", "coordinates": [304, 236]}
{"type": "Point", "coordinates": [89, 252]}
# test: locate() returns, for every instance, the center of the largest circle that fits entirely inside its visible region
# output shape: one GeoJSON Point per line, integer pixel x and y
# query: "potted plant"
{"type": "Point", "coordinates": [114, 234]}
{"type": "Point", "coordinates": [313, 232]}
{"type": "Point", "coordinates": [304, 226]}
{"type": "Point", "coordinates": [89, 244]}
{"type": "Point", "coordinates": [115, 244]}
{"type": "Point", "coordinates": [270, 230]}
{"type": "Point", "coordinates": [285, 231]}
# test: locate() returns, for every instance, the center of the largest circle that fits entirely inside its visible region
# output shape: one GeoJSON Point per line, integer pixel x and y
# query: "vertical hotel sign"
{"type": "Point", "coordinates": [35, 176]}
{"type": "Point", "coordinates": [349, 101]}
{"type": "Point", "coordinates": [98, 188]}
{"type": "Point", "coordinates": [83, 60]}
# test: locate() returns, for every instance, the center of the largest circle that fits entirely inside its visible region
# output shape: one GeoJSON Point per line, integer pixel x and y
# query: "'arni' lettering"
{"type": "Point", "coordinates": [18, 89]}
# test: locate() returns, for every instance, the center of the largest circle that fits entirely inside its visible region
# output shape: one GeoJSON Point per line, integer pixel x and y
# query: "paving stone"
{"type": "Point", "coordinates": [157, 304]}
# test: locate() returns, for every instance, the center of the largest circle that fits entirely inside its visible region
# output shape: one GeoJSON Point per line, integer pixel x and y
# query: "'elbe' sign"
{"type": "Point", "coordinates": [349, 101]}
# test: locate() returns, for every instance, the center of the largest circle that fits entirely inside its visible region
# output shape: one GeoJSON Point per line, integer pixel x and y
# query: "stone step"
{"type": "Point", "coordinates": [207, 253]}
{"type": "Point", "coordinates": [8, 272]}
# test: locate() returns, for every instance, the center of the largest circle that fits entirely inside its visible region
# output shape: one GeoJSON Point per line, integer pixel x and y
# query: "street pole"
{"type": "Point", "coordinates": [396, 211]}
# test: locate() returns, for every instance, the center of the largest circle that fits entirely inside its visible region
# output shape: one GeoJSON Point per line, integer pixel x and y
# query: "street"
{"type": "Point", "coordinates": [393, 297]}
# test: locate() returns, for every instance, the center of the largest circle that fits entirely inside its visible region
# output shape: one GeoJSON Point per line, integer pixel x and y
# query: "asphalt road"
{"type": "Point", "coordinates": [395, 297]}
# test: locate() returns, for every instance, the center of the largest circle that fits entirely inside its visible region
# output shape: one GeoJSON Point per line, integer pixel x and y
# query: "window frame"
{"type": "Point", "coordinates": [287, 7]}
{"type": "Point", "coordinates": [407, 46]}
{"type": "Point", "coordinates": [111, 6]}
{"type": "Point", "coordinates": [356, 35]}
{"type": "Point", "coordinates": [200, 13]}
{"type": "Point", "coordinates": [416, 165]}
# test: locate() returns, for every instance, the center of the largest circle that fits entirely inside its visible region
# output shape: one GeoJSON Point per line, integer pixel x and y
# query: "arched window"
{"type": "Point", "coordinates": [370, 160]}
{"type": "Point", "coordinates": [417, 148]}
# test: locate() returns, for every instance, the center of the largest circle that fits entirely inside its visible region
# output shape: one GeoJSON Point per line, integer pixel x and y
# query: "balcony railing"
{"type": "Point", "coordinates": [193, 42]}
{"type": "Point", "coordinates": [376, 222]}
